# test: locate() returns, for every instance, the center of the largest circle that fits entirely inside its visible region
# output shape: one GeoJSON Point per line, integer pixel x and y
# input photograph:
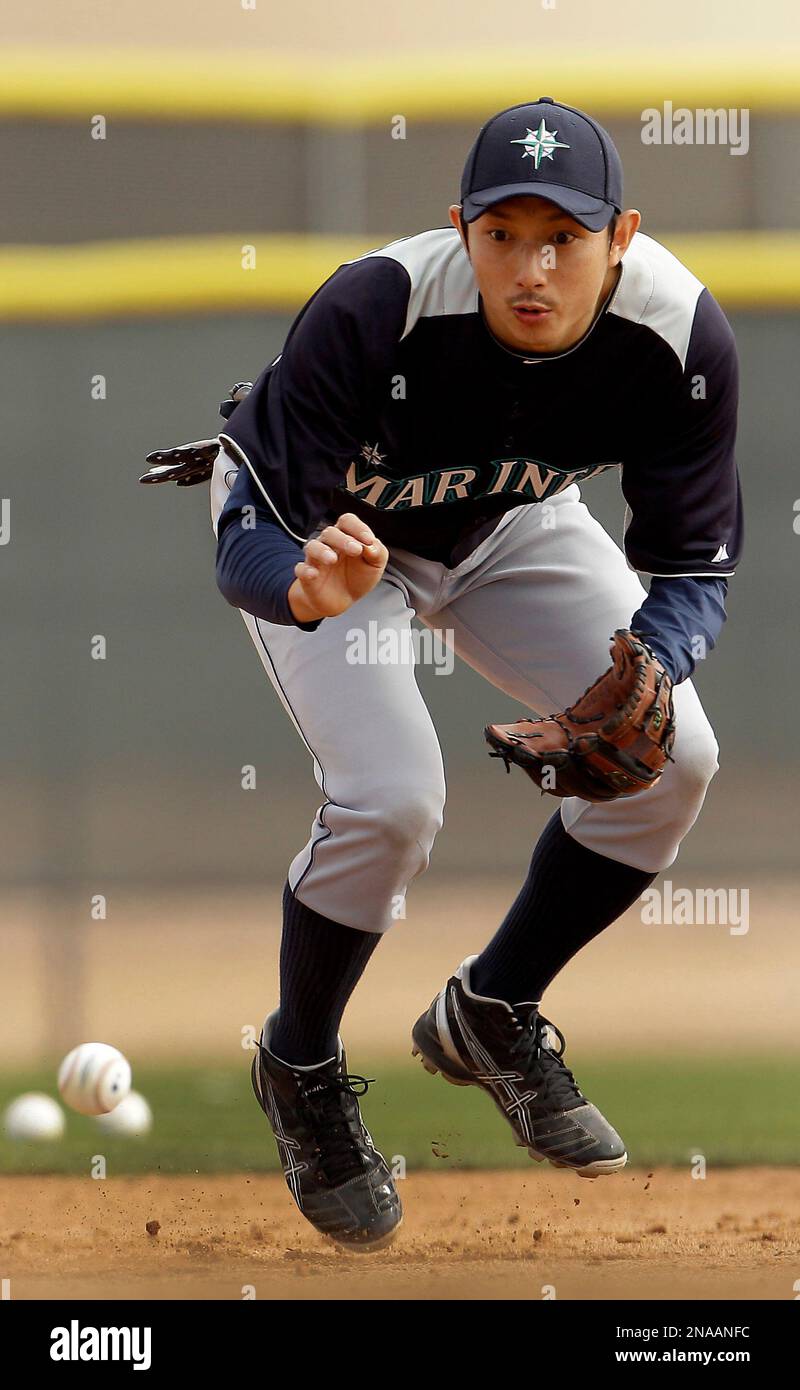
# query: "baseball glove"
{"type": "Point", "coordinates": [614, 741]}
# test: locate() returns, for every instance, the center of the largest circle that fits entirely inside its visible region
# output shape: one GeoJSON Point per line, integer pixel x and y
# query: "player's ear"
{"type": "Point", "coordinates": [459, 224]}
{"type": "Point", "coordinates": [627, 224]}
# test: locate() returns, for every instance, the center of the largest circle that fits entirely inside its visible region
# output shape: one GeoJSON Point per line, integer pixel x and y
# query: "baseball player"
{"type": "Point", "coordinates": [418, 448]}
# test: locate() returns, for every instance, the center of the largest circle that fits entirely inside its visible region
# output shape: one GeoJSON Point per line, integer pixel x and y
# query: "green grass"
{"type": "Point", "coordinates": [731, 1109]}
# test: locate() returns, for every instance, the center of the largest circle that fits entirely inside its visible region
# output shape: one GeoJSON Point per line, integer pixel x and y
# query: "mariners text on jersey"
{"type": "Point", "coordinates": [393, 400]}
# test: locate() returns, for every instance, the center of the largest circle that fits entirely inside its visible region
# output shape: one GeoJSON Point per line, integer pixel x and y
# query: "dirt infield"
{"type": "Point", "coordinates": [734, 1235]}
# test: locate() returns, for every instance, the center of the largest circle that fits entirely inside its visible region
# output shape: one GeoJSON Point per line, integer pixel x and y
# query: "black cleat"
{"type": "Point", "coordinates": [475, 1041]}
{"type": "Point", "coordinates": [338, 1179]}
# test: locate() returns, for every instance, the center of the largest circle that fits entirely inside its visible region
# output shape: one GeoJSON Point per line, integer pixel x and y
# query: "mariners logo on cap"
{"type": "Point", "coordinates": [540, 144]}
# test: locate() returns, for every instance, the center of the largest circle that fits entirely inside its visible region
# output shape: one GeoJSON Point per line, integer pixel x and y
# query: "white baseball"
{"type": "Point", "coordinates": [93, 1078]}
{"type": "Point", "coordinates": [34, 1116]}
{"type": "Point", "coordinates": [132, 1117]}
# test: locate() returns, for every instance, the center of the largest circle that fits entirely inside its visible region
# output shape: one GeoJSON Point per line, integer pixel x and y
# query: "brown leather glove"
{"type": "Point", "coordinates": [614, 741]}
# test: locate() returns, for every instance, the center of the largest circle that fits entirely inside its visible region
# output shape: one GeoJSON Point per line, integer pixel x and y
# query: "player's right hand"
{"type": "Point", "coordinates": [342, 563]}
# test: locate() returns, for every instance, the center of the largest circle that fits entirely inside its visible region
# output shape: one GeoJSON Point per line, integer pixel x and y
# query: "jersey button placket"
{"type": "Point", "coordinates": [514, 413]}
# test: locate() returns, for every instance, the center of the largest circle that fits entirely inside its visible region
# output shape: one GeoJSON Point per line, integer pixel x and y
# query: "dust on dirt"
{"type": "Point", "coordinates": [518, 1235]}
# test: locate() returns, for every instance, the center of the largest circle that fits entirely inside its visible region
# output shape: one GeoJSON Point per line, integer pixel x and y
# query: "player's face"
{"type": "Point", "coordinates": [541, 275]}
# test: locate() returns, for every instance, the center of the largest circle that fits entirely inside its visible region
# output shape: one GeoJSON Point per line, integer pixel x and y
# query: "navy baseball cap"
{"type": "Point", "coordinates": [544, 150]}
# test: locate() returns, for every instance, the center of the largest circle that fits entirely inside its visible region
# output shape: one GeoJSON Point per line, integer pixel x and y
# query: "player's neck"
{"type": "Point", "coordinates": [609, 285]}
{"type": "Point", "coordinates": [610, 282]}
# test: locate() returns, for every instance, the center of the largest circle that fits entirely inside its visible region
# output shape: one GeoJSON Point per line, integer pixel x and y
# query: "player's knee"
{"type": "Point", "coordinates": [410, 817]}
{"type": "Point", "coordinates": [697, 760]}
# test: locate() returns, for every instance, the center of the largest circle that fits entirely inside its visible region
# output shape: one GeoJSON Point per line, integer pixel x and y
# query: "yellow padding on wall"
{"type": "Point", "coordinates": [180, 275]}
{"type": "Point", "coordinates": [79, 83]}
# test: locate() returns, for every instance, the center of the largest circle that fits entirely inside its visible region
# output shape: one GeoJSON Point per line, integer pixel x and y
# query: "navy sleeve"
{"type": "Point", "coordinates": [256, 558]}
{"type": "Point", "coordinates": [681, 484]}
{"type": "Point", "coordinates": [311, 413]}
{"type": "Point", "coordinates": [681, 620]}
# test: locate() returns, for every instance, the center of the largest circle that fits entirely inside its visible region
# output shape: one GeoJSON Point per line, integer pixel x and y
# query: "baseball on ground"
{"type": "Point", "coordinates": [132, 1117]}
{"type": "Point", "coordinates": [93, 1078]}
{"type": "Point", "coordinates": [34, 1116]}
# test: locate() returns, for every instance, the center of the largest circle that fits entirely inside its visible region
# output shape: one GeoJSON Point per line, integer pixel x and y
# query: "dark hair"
{"type": "Point", "coordinates": [464, 227]}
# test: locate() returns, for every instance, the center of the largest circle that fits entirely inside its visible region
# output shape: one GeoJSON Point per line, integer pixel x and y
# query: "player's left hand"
{"type": "Point", "coordinates": [614, 741]}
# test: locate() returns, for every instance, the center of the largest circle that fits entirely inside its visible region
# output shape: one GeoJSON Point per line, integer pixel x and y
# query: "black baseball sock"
{"type": "Point", "coordinates": [571, 894]}
{"type": "Point", "coordinates": [320, 965]}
